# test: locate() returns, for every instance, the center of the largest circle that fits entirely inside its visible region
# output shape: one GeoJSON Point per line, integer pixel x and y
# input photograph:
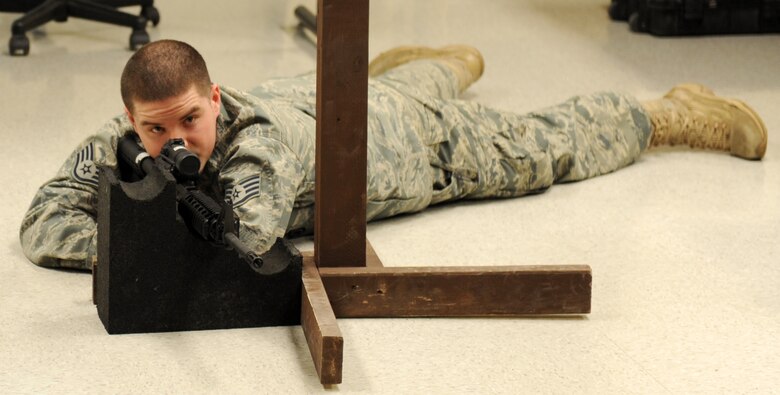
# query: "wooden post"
{"type": "Point", "coordinates": [342, 106]}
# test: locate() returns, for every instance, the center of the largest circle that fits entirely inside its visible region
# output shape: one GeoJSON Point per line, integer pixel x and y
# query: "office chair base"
{"type": "Point", "coordinates": [61, 10]}
{"type": "Point", "coordinates": [19, 45]}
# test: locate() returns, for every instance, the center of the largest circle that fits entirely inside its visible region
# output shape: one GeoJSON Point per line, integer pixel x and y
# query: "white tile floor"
{"type": "Point", "coordinates": [683, 245]}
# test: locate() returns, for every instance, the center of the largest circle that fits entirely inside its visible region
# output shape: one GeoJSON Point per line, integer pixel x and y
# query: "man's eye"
{"type": "Point", "coordinates": [189, 120]}
{"type": "Point", "coordinates": [157, 130]}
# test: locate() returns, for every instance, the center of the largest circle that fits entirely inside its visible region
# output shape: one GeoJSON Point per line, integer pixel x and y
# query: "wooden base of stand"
{"type": "Point", "coordinates": [392, 292]}
{"type": "Point", "coordinates": [344, 277]}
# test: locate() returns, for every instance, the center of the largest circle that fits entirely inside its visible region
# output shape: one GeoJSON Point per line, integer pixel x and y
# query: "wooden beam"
{"type": "Point", "coordinates": [319, 326]}
{"type": "Point", "coordinates": [342, 107]}
{"type": "Point", "coordinates": [457, 291]}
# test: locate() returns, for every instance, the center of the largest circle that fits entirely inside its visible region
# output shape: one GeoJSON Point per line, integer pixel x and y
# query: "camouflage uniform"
{"type": "Point", "coordinates": [424, 147]}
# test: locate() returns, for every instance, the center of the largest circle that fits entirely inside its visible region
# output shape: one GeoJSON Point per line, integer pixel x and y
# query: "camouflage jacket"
{"type": "Point", "coordinates": [263, 163]}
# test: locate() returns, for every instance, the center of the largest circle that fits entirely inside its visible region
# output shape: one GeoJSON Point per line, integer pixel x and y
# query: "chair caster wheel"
{"type": "Point", "coordinates": [19, 45]}
{"type": "Point", "coordinates": [138, 39]}
{"type": "Point", "coordinates": [151, 14]}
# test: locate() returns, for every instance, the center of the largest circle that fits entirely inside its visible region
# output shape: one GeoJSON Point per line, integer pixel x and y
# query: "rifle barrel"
{"type": "Point", "coordinates": [254, 260]}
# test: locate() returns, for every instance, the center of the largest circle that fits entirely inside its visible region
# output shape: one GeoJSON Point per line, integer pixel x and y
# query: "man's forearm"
{"type": "Point", "coordinates": [57, 238]}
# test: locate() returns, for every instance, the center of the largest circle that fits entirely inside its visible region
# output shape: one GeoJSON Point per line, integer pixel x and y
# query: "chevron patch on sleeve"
{"type": "Point", "coordinates": [244, 191]}
{"type": "Point", "coordinates": [84, 170]}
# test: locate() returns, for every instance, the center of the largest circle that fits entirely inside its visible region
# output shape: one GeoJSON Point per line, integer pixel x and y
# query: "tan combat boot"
{"type": "Point", "coordinates": [465, 61]}
{"type": "Point", "coordinates": [691, 114]}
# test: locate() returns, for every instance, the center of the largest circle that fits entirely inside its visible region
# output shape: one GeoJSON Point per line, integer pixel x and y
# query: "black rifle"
{"type": "Point", "coordinates": [212, 221]}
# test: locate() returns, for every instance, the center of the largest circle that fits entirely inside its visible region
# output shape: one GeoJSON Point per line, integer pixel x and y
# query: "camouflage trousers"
{"type": "Point", "coordinates": [456, 149]}
{"type": "Point", "coordinates": [479, 152]}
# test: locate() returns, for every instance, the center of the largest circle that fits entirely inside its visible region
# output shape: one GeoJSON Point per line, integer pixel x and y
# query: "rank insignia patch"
{"type": "Point", "coordinates": [85, 171]}
{"type": "Point", "coordinates": [243, 191]}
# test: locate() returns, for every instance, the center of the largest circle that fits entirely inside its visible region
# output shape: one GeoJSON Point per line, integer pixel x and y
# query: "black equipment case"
{"type": "Point", "coordinates": [695, 17]}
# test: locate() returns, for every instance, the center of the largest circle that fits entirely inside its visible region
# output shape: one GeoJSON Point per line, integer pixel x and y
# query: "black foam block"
{"type": "Point", "coordinates": [154, 275]}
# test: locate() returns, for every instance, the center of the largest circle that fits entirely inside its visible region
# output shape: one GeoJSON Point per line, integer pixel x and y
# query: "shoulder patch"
{"type": "Point", "coordinates": [243, 191]}
{"type": "Point", "coordinates": [84, 170]}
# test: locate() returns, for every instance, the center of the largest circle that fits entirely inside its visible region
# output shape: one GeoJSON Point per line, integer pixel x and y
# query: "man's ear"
{"type": "Point", "coordinates": [216, 98]}
{"type": "Point", "coordinates": [130, 117]}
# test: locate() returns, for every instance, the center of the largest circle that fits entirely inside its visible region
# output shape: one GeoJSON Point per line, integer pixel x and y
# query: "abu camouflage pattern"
{"type": "Point", "coordinates": [478, 152]}
{"type": "Point", "coordinates": [424, 147]}
{"type": "Point", "coordinates": [59, 228]}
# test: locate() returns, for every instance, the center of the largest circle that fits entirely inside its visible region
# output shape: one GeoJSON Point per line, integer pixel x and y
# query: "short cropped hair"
{"type": "Point", "coordinates": [163, 69]}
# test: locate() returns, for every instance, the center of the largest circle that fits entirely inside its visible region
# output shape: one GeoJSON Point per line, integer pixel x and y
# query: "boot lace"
{"type": "Point", "coordinates": [707, 134]}
{"type": "Point", "coordinates": [677, 125]}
